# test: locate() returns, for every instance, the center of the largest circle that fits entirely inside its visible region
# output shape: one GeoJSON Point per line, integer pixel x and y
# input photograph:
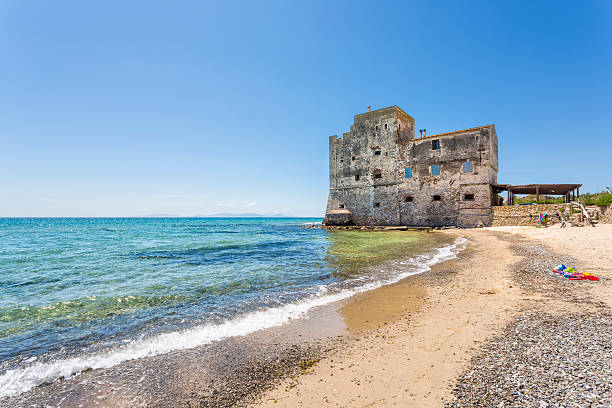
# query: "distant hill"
{"type": "Point", "coordinates": [240, 215]}
{"type": "Point", "coordinates": [218, 215]}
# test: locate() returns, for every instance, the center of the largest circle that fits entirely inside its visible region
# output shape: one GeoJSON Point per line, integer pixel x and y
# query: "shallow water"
{"type": "Point", "coordinates": [90, 293]}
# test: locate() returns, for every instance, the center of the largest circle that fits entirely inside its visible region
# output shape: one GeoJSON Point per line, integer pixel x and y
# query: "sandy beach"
{"type": "Point", "coordinates": [492, 327]}
{"type": "Point", "coordinates": [305, 204]}
{"type": "Point", "coordinates": [463, 333]}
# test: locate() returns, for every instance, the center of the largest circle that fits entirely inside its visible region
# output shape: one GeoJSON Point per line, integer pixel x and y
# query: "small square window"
{"type": "Point", "coordinates": [340, 205]}
{"type": "Point", "coordinates": [469, 196]}
{"type": "Point", "coordinates": [437, 198]}
{"type": "Point", "coordinates": [377, 175]}
{"type": "Point", "coordinates": [408, 199]}
{"type": "Point", "coordinates": [376, 204]}
{"type": "Point", "coordinates": [353, 158]}
{"type": "Point", "coordinates": [435, 144]}
{"type": "Point", "coordinates": [435, 170]}
{"type": "Point", "coordinates": [377, 153]}
{"type": "Point", "coordinates": [385, 126]}
{"type": "Point", "coordinates": [341, 161]}
{"type": "Point", "coordinates": [356, 177]}
{"type": "Point", "coordinates": [377, 128]}
{"type": "Point", "coordinates": [408, 172]}
{"type": "Point", "coordinates": [467, 167]}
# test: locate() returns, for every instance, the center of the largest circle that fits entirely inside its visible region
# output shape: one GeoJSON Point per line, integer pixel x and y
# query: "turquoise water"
{"type": "Point", "coordinates": [90, 293]}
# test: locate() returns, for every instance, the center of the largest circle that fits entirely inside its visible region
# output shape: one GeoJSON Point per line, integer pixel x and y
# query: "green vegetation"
{"type": "Point", "coordinates": [600, 199]}
{"type": "Point", "coordinates": [531, 198]}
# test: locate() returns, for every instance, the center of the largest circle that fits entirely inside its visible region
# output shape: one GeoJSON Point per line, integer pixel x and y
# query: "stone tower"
{"type": "Point", "coordinates": [380, 174]}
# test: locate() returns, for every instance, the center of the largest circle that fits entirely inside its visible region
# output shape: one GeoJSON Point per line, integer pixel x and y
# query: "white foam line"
{"type": "Point", "coordinates": [19, 380]}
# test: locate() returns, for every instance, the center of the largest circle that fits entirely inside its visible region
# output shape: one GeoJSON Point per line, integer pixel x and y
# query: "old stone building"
{"type": "Point", "coordinates": [380, 174]}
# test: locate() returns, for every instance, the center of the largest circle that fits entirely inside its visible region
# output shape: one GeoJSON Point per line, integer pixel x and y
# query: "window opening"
{"type": "Point", "coordinates": [408, 199]}
{"type": "Point", "coordinates": [437, 198]}
{"type": "Point", "coordinates": [435, 170]}
{"type": "Point", "coordinates": [377, 153]}
{"type": "Point", "coordinates": [340, 205]}
{"type": "Point", "coordinates": [376, 204]}
{"type": "Point", "coordinates": [408, 172]}
{"type": "Point", "coordinates": [356, 177]}
{"type": "Point", "coordinates": [468, 167]}
{"type": "Point", "coordinates": [435, 144]}
{"type": "Point", "coordinates": [469, 196]}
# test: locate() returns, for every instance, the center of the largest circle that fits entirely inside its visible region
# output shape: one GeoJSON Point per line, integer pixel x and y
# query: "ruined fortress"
{"type": "Point", "coordinates": [380, 174]}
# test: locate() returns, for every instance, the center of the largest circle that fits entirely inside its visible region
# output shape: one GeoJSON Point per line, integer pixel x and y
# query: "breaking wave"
{"type": "Point", "coordinates": [19, 380]}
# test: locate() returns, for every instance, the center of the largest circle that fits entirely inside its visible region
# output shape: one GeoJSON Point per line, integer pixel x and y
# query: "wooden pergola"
{"type": "Point", "coordinates": [570, 192]}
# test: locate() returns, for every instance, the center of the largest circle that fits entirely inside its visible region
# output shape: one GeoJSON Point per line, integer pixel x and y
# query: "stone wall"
{"type": "Point", "coordinates": [530, 214]}
{"type": "Point", "coordinates": [382, 175]}
{"type": "Point", "coordinates": [526, 214]}
{"type": "Point", "coordinates": [606, 214]}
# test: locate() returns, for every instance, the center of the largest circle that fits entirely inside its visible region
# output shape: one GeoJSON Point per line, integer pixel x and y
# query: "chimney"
{"type": "Point", "coordinates": [424, 132]}
{"type": "Point", "coordinates": [369, 108]}
{"type": "Point", "coordinates": [420, 132]}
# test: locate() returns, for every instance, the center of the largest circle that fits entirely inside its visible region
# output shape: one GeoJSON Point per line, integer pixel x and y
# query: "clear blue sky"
{"type": "Point", "coordinates": [120, 108]}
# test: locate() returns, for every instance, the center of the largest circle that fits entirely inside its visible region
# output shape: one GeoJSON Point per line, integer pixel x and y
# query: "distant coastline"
{"type": "Point", "coordinates": [220, 215]}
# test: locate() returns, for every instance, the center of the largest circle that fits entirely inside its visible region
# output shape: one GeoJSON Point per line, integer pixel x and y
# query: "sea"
{"type": "Point", "coordinates": [79, 294]}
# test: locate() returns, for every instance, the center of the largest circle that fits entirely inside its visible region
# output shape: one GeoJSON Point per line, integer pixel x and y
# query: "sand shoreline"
{"type": "Point", "coordinates": [404, 344]}
{"type": "Point", "coordinates": [222, 373]}
{"type": "Point", "coordinates": [414, 355]}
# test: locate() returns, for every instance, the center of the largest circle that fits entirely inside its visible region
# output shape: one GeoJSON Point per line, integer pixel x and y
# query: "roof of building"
{"type": "Point", "coordinates": [395, 107]}
{"type": "Point", "coordinates": [453, 132]}
{"type": "Point", "coordinates": [551, 189]}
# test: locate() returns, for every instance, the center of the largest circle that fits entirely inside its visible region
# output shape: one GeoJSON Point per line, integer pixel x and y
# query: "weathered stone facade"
{"type": "Point", "coordinates": [380, 174]}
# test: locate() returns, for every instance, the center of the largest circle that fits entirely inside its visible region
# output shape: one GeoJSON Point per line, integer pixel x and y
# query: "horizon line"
{"type": "Point", "coordinates": [164, 216]}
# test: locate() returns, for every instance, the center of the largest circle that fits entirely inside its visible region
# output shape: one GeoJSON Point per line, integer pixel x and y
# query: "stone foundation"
{"type": "Point", "coordinates": [338, 218]}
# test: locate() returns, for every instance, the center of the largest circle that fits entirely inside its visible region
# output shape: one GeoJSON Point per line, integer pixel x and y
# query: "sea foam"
{"type": "Point", "coordinates": [19, 380]}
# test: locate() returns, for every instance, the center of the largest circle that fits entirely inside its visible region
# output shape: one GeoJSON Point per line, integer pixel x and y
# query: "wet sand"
{"type": "Point", "coordinates": [409, 344]}
{"type": "Point", "coordinates": [221, 374]}
{"type": "Point", "coordinates": [418, 342]}
{"type": "Point", "coordinates": [231, 372]}
{"type": "Point", "coordinates": [400, 345]}
{"type": "Point", "coordinates": [368, 310]}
